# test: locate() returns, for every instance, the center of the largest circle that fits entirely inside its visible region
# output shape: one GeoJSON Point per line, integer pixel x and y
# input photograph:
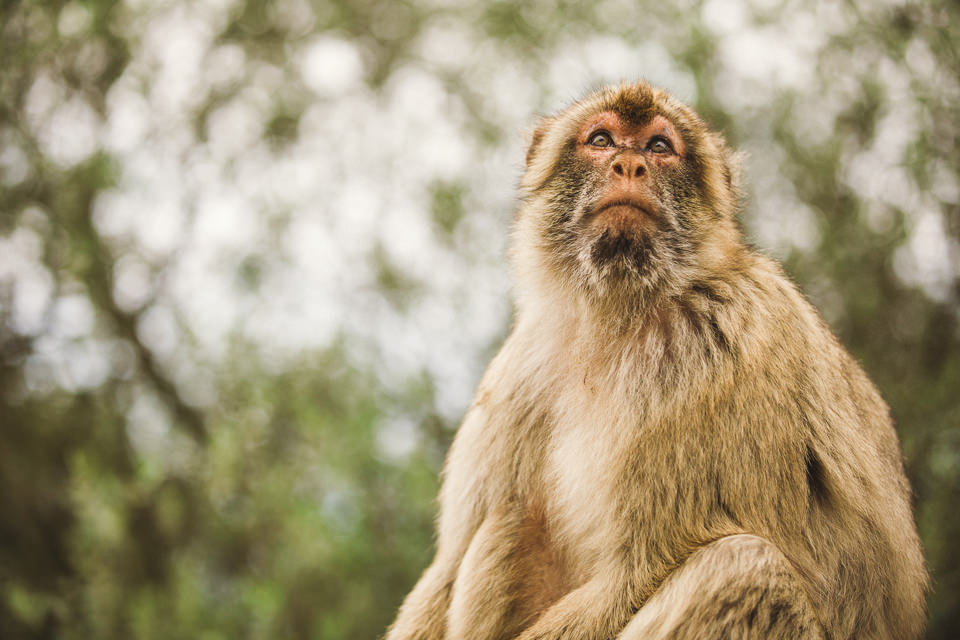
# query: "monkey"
{"type": "Point", "coordinates": [671, 443]}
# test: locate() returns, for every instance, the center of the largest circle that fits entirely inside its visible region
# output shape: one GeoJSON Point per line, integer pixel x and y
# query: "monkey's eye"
{"type": "Point", "coordinates": [600, 139]}
{"type": "Point", "coordinates": [659, 144]}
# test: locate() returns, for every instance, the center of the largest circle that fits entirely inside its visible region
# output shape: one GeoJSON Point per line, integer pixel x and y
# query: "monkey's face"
{"type": "Point", "coordinates": [621, 201]}
{"type": "Point", "coordinates": [623, 218]}
{"type": "Point", "coordinates": [624, 189]}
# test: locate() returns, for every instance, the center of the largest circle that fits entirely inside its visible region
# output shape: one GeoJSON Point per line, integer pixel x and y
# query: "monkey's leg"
{"type": "Point", "coordinates": [506, 578]}
{"type": "Point", "coordinates": [739, 586]}
{"type": "Point", "coordinates": [424, 611]}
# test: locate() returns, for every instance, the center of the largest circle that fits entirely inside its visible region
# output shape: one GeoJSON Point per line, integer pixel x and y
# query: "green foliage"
{"type": "Point", "coordinates": [446, 205]}
{"type": "Point", "coordinates": [175, 470]}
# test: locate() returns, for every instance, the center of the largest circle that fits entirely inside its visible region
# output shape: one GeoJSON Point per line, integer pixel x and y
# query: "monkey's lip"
{"type": "Point", "coordinates": [622, 203]}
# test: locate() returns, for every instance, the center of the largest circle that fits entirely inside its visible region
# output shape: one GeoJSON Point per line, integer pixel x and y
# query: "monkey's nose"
{"type": "Point", "coordinates": [629, 166]}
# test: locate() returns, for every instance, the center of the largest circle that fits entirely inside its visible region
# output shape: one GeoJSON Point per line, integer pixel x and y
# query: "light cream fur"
{"type": "Point", "coordinates": [692, 458]}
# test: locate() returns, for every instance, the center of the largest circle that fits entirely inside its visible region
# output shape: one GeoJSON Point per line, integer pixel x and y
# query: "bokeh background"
{"type": "Point", "coordinates": [252, 263]}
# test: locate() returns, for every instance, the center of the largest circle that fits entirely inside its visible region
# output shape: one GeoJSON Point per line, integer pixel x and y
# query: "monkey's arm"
{"type": "Point", "coordinates": [740, 586]}
{"type": "Point", "coordinates": [598, 609]}
{"type": "Point", "coordinates": [424, 613]}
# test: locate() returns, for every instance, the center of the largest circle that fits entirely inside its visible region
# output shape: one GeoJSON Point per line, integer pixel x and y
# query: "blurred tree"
{"type": "Point", "coordinates": [251, 267]}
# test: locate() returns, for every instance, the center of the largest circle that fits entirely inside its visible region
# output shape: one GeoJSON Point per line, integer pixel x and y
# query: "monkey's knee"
{"type": "Point", "coordinates": [740, 586]}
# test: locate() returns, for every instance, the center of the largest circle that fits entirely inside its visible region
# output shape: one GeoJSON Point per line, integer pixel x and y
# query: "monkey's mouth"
{"type": "Point", "coordinates": [617, 216]}
{"type": "Point", "coordinates": [622, 206]}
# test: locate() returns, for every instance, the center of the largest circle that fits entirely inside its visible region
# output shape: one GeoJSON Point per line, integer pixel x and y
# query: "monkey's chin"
{"type": "Point", "coordinates": [621, 239]}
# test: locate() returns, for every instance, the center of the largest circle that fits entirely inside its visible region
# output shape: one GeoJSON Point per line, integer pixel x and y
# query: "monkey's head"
{"type": "Point", "coordinates": [626, 194]}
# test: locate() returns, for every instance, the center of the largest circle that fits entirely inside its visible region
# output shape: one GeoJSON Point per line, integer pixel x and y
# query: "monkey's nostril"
{"type": "Point", "coordinates": [618, 169]}
{"type": "Point", "coordinates": [638, 171]}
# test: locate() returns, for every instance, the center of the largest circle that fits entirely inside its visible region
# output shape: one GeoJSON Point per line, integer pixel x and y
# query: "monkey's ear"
{"type": "Point", "coordinates": [733, 170]}
{"type": "Point", "coordinates": [535, 139]}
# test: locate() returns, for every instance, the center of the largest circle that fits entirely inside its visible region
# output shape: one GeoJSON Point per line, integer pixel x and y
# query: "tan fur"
{"type": "Point", "coordinates": [685, 452]}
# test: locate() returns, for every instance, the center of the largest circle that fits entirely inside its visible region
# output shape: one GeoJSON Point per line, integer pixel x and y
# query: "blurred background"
{"type": "Point", "coordinates": [252, 264]}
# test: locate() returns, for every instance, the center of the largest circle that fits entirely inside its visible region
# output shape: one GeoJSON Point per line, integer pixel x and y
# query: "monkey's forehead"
{"type": "Point", "coordinates": [634, 107]}
{"type": "Point", "coordinates": [637, 103]}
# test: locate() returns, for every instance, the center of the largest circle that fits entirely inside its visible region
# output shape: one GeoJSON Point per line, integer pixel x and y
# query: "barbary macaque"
{"type": "Point", "coordinates": [671, 443]}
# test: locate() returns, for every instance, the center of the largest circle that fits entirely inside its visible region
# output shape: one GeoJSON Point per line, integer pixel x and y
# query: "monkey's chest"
{"type": "Point", "coordinates": [583, 467]}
